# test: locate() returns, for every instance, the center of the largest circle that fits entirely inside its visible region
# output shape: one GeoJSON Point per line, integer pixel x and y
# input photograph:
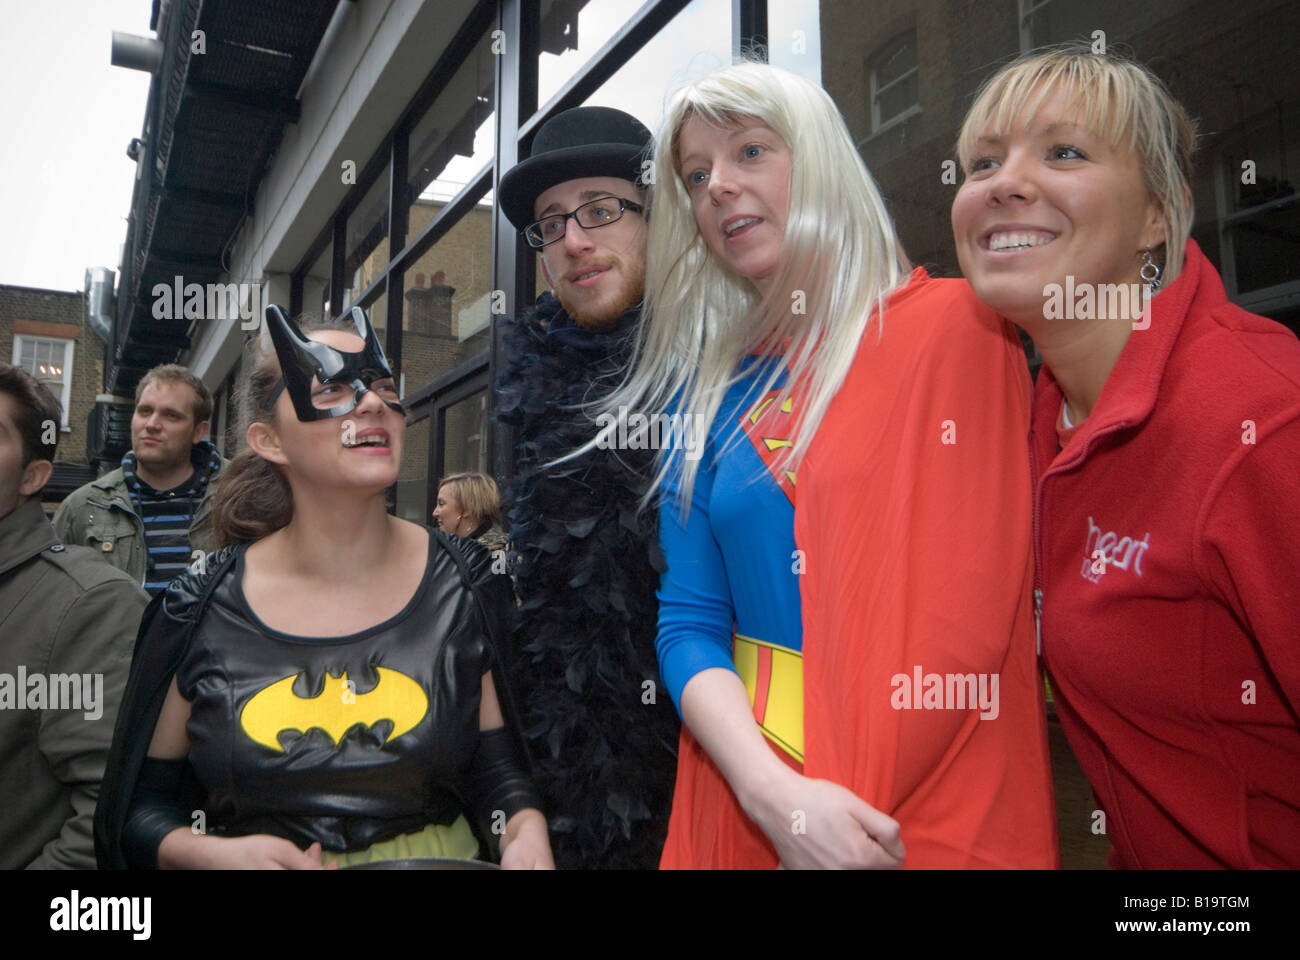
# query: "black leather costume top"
{"type": "Point", "coordinates": [344, 740]}
{"type": "Point", "coordinates": [282, 742]}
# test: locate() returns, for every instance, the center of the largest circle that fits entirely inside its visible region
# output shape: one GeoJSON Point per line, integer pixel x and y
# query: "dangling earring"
{"type": "Point", "coordinates": [1151, 279]}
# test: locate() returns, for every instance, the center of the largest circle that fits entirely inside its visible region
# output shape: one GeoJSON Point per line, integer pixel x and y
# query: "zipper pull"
{"type": "Point", "coordinates": [1038, 618]}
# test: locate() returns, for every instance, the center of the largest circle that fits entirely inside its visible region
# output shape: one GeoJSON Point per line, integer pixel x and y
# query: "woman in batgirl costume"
{"type": "Point", "coordinates": [320, 691]}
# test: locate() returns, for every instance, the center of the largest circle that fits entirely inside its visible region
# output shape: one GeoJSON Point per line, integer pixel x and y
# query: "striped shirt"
{"type": "Point", "coordinates": [167, 516]}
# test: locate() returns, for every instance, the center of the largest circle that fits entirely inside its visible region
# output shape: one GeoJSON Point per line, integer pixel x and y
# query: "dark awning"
{"type": "Point", "coordinates": [215, 120]}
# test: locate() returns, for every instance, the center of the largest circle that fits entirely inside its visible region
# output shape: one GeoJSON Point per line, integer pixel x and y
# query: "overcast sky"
{"type": "Point", "coordinates": [65, 178]}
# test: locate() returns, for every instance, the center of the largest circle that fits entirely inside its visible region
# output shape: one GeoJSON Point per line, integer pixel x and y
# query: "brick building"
{"type": "Point", "coordinates": [45, 333]}
{"type": "Point", "coordinates": [903, 72]}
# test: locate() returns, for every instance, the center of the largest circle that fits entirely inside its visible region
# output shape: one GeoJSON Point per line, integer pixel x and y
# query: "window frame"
{"type": "Point", "coordinates": [69, 354]}
{"type": "Point", "coordinates": [874, 60]}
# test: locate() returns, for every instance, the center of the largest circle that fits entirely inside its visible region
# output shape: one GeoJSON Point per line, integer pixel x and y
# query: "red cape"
{"type": "Point", "coordinates": [914, 513]}
{"type": "Point", "coordinates": [913, 510]}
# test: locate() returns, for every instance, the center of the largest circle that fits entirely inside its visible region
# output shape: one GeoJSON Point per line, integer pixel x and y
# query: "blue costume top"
{"type": "Point", "coordinates": [732, 563]}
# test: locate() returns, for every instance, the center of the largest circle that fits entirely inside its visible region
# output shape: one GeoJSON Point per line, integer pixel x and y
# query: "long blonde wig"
{"type": "Point", "coordinates": [840, 258]}
{"type": "Point", "coordinates": [1118, 100]}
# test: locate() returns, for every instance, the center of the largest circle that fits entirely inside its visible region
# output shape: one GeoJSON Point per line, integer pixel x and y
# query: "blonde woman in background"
{"type": "Point", "coordinates": [470, 506]}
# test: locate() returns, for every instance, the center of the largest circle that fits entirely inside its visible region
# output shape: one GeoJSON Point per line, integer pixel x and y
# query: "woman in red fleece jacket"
{"type": "Point", "coordinates": [1166, 454]}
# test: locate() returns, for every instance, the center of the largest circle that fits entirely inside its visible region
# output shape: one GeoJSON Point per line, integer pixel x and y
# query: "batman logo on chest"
{"type": "Point", "coordinates": [277, 708]}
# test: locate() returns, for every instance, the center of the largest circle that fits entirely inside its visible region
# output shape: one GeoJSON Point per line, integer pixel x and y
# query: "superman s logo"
{"type": "Point", "coordinates": [770, 429]}
{"type": "Point", "coordinates": [276, 709]}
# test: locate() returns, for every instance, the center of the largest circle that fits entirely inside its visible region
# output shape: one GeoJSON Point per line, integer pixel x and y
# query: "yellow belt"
{"type": "Point", "coordinates": [773, 678]}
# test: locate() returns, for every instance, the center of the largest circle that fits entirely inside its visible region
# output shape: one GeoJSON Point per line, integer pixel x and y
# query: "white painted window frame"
{"type": "Point", "coordinates": [69, 353]}
{"type": "Point", "coordinates": [877, 124]}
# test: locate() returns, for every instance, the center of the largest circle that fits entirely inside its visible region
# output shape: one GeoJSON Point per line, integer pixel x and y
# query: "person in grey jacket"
{"type": "Point", "coordinates": [68, 623]}
{"type": "Point", "coordinates": [150, 517]}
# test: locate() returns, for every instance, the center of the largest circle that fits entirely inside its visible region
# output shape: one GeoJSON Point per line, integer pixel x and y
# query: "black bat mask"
{"type": "Point", "coordinates": [303, 360]}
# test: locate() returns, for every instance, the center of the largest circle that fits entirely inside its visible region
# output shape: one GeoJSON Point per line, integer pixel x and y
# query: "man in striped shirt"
{"type": "Point", "coordinates": [150, 516]}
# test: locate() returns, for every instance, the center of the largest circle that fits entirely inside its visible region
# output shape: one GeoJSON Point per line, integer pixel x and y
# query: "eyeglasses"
{"type": "Point", "coordinates": [595, 213]}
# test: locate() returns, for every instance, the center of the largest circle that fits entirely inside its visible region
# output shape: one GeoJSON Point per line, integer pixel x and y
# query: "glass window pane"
{"type": "Point", "coordinates": [453, 140]}
{"type": "Point", "coordinates": [1263, 141]}
{"type": "Point", "coordinates": [1265, 244]}
{"type": "Point", "coordinates": [412, 480]}
{"type": "Point", "coordinates": [1266, 248]}
{"type": "Point", "coordinates": [794, 37]}
{"type": "Point", "coordinates": [44, 360]}
{"type": "Point", "coordinates": [571, 31]}
{"type": "Point", "coordinates": [446, 317]}
{"type": "Point", "coordinates": [464, 441]}
{"type": "Point", "coordinates": [898, 58]}
{"type": "Point", "coordinates": [695, 42]}
{"type": "Point", "coordinates": [316, 285]}
{"type": "Point", "coordinates": [377, 311]}
{"type": "Point", "coordinates": [897, 98]}
{"type": "Point", "coordinates": [367, 234]}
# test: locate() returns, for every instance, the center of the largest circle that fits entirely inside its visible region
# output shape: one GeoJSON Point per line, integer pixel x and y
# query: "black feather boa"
{"type": "Point", "coordinates": [586, 565]}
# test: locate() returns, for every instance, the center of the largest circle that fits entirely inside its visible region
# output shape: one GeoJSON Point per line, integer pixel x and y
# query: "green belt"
{"type": "Point", "coordinates": [456, 841]}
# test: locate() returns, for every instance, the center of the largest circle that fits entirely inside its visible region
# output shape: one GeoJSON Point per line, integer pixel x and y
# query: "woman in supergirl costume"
{"type": "Point", "coordinates": [856, 515]}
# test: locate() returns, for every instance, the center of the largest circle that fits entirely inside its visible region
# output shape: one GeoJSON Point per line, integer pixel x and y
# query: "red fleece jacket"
{"type": "Point", "coordinates": [1168, 548]}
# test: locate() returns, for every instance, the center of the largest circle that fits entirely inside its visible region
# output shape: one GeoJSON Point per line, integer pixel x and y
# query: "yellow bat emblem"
{"type": "Point", "coordinates": [276, 708]}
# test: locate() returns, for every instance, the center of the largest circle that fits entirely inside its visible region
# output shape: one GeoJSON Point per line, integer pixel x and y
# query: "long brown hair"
{"type": "Point", "coordinates": [253, 498]}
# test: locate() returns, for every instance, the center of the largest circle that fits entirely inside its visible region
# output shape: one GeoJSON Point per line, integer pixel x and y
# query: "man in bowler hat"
{"type": "Point", "coordinates": [585, 559]}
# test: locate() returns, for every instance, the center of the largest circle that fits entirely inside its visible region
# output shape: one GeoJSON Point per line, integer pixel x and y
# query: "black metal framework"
{"type": "Point", "coordinates": [512, 264]}
{"type": "Point", "coordinates": [517, 117]}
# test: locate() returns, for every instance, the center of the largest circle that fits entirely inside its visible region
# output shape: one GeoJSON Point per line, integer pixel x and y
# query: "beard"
{"type": "Point", "coordinates": [606, 313]}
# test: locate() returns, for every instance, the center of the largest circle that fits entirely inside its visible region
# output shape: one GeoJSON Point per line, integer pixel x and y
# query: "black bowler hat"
{"type": "Point", "coordinates": [576, 143]}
